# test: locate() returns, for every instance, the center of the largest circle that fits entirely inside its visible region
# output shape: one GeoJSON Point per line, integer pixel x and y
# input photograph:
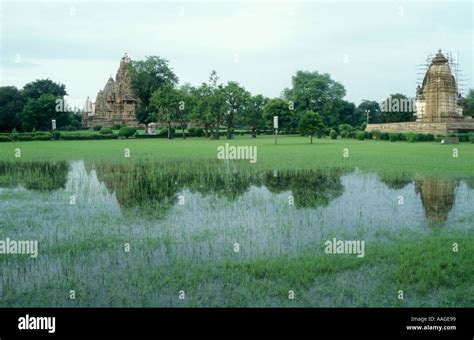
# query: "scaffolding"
{"type": "Point", "coordinates": [453, 62]}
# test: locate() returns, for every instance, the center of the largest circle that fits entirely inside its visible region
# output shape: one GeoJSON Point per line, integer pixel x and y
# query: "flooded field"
{"type": "Point", "coordinates": [168, 234]}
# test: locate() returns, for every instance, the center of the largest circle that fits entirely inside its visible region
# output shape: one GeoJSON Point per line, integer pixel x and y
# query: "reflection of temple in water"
{"type": "Point", "coordinates": [437, 197]}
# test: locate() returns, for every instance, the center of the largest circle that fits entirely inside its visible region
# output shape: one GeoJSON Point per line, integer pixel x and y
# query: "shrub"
{"type": "Point", "coordinates": [376, 134]}
{"type": "Point", "coordinates": [87, 136]}
{"type": "Point", "coordinates": [471, 137]}
{"type": "Point", "coordinates": [368, 135]}
{"type": "Point", "coordinates": [97, 127]}
{"type": "Point", "coordinates": [394, 137]}
{"type": "Point", "coordinates": [126, 132]}
{"type": "Point", "coordinates": [164, 132]}
{"type": "Point", "coordinates": [352, 134]}
{"type": "Point", "coordinates": [41, 137]}
{"type": "Point", "coordinates": [199, 132]}
{"type": "Point", "coordinates": [463, 137]}
{"type": "Point", "coordinates": [420, 137]}
{"type": "Point", "coordinates": [106, 131]}
{"type": "Point", "coordinates": [24, 138]}
{"type": "Point", "coordinates": [410, 137]}
{"type": "Point", "coordinates": [117, 126]}
{"type": "Point", "coordinates": [360, 135]}
{"type": "Point", "coordinates": [384, 136]}
{"type": "Point", "coordinates": [333, 134]}
{"type": "Point", "coordinates": [401, 136]}
{"type": "Point", "coordinates": [192, 131]}
{"type": "Point", "coordinates": [14, 131]}
{"type": "Point", "coordinates": [56, 135]}
{"type": "Point", "coordinates": [429, 137]}
{"type": "Point", "coordinates": [5, 139]}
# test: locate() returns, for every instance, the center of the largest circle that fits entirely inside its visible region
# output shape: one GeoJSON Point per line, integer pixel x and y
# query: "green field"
{"type": "Point", "coordinates": [427, 158]}
{"type": "Point", "coordinates": [190, 248]}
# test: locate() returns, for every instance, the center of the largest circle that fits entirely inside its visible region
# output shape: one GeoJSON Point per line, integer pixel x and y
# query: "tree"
{"type": "Point", "coordinates": [253, 115]}
{"type": "Point", "coordinates": [361, 112]}
{"type": "Point", "coordinates": [216, 105]}
{"type": "Point", "coordinates": [281, 108]}
{"type": "Point", "coordinates": [186, 106]}
{"type": "Point", "coordinates": [315, 92]}
{"type": "Point", "coordinates": [38, 113]}
{"type": "Point", "coordinates": [165, 104]}
{"type": "Point", "coordinates": [396, 108]}
{"type": "Point", "coordinates": [237, 100]}
{"type": "Point", "coordinates": [345, 113]}
{"type": "Point", "coordinates": [146, 77]}
{"type": "Point", "coordinates": [311, 123]}
{"type": "Point", "coordinates": [12, 101]}
{"type": "Point", "coordinates": [201, 108]}
{"type": "Point", "coordinates": [469, 104]}
{"type": "Point", "coordinates": [37, 88]}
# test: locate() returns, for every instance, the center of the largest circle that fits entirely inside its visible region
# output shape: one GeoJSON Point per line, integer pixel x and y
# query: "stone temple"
{"type": "Point", "coordinates": [115, 104]}
{"type": "Point", "coordinates": [439, 105]}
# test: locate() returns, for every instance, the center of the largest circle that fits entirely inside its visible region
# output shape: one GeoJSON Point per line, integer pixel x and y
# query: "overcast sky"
{"type": "Point", "coordinates": [373, 49]}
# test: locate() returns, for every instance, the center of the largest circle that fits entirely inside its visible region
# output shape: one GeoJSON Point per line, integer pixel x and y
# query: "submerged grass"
{"type": "Point", "coordinates": [82, 247]}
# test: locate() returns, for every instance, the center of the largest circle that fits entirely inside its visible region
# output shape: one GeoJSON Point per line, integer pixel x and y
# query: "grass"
{"type": "Point", "coordinates": [190, 249]}
{"type": "Point", "coordinates": [412, 159]}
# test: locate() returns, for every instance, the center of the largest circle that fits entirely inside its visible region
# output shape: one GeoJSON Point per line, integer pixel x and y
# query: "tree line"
{"type": "Point", "coordinates": [313, 105]}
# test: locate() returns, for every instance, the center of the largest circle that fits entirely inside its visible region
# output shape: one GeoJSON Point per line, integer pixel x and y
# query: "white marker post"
{"type": "Point", "coordinates": [275, 126]}
{"type": "Point", "coordinates": [53, 124]}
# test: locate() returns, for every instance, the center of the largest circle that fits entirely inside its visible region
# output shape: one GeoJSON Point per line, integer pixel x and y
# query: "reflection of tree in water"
{"type": "Point", "coordinates": [437, 197]}
{"type": "Point", "coordinates": [395, 181]}
{"type": "Point", "coordinates": [39, 176]}
{"type": "Point", "coordinates": [310, 188]}
{"type": "Point", "coordinates": [470, 183]}
{"type": "Point", "coordinates": [154, 187]}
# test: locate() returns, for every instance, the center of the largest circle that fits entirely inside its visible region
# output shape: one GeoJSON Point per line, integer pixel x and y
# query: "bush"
{"type": "Point", "coordinates": [429, 137]}
{"type": "Point", "coordinates": [471, 137]}
{"type": "Point", "coordinates": [56, 135]}
{"type": "Point", "coordinates": [394, 137]}
{"type": "Point", "coordinates": [401, 136]}
{"type": "Point", "coordinates": [164, 132]}
{"type": "Point", "coordinates": [360, 135]}
{"type": "Point", "coordinates": [199, 132]}
{"type": "Point", "coordinates": [117, 127]}
{"type": "Point", "coordinates": [463, 137]}
{"type": "Point", "coordinates": [384, 136]}
{"type": "Point", "coordinates": [333, 134]}
{"type": "Point", "coordinates": [24, 138]}
{"type": "Point", "coordinates": [86, 136]}
{"type": "Point", "coordinates": [126, 132]}
{"type": "Point", "coordinates": [420, 137]}
{"type": "Point", "coordinates": [376, 134]}
{"type": "Point", "coordinates": [97, 127]}
{"type": "Point", "coordinates": [106, 131]}
{"type": "Point", "coordinates": [368, 135]}
{"type": "Point", "coordinates": [5, 139]}
{"type": "Point", "coordinates": [192, 131]}
{"type": "Point", "coordinates": [14, 131]}
{"type": "Point", "coordinates": [42, 137]}
{"type": "Point", "coordinates": [410, 137]}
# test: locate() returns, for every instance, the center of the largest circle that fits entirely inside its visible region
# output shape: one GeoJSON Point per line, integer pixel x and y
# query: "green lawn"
{"type": "Point", "coordinates": [411, 159]}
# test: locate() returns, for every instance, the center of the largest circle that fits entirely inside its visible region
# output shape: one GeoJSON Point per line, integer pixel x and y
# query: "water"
{"type": "Point", "coordinates": [83, 213]}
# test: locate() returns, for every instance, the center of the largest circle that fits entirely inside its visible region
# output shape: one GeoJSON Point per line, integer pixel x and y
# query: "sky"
{"type": "Point", "coordinates": [373, 48]}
